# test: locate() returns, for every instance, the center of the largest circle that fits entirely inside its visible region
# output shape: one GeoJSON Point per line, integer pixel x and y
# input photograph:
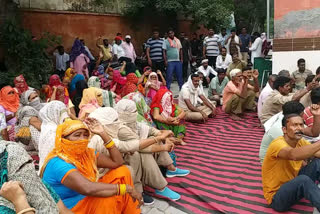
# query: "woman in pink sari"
{"type": "Point", "coordinates": [79, 59]}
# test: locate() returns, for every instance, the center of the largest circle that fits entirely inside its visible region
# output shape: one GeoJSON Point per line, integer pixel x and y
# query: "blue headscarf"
{"type": "Point", "coordinates": [77, 49]}
{"type": "Point", "coordinates": [74, 81]}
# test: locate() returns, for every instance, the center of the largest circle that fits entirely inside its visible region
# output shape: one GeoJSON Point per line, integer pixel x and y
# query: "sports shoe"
{"type": "Point", "coordinates": [147, 200]}
{"type": "Point", "coordinates": [178, 172]}
{"type": "Point", "coordinates": [168, 193]}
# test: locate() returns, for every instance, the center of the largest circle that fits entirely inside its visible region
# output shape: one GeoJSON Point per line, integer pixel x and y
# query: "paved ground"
{"type": "Point", "coordinates": [161, 206]}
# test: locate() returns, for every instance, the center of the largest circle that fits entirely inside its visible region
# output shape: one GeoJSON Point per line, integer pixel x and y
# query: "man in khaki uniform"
{"type": "Point", "coordinates": [280, 95]}
{"type": "Point", "coordinates": [301, 74]}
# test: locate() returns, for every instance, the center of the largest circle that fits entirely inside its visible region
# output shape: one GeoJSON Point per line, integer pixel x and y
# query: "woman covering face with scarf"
{"type": "Point", "coordinates": [52, 115]}
{"type": "Point", "coordinates": [153, 85]}
{"type": "Point", "coordinates": [71, 169]}
{"type": "Point", "coordinates": [109, 97]}
{"type": "Point", "coordinates": [79, 59]}
{"type": "Point", "coordinates": [20, 84]}
{"type": "Point", "coordinates": [29, 123]}
{"type": "Point", "coordinates": [9, 104]}
{"type": "Point", "coordinates": [58, 91]}
{"type": "Point", "coordinates": [127, 112]}
{"type": "Point", "coordinates": [166, 114]}
{"type": "Point", "coordinates": [91, 100]}
{"type": "Point", "coordinates": [131, 85]}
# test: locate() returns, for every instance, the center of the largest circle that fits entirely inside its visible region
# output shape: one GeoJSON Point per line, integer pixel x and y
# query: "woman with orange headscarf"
{"type": "Point", "coordinates": [91, 100]}
{"type": "Point", "coordinates": [9, 104]}
{"type": "Point", "coordinates": [71, 169]}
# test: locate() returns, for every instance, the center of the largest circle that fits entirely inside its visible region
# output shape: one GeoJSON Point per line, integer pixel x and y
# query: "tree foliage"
{"type": "Point", "coordinates": [208, 12]}
{"type": "Point", "coordinates": [211, 13]}
{"type": "Point", "coordinates": [251, 14]}
{"type": "Point", "coordinates": [25, 54]}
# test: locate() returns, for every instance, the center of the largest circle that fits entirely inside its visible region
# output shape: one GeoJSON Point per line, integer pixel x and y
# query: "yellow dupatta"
{"type": "Point", "coordinates": [75, 152]}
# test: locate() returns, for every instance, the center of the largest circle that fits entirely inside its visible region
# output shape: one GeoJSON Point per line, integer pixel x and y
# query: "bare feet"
{"type": "Point", "coordinates": [235, 117]}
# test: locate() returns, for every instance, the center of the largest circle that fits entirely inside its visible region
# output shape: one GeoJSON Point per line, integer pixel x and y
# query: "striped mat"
{"type": "Point", "coordinates": [225, 169]}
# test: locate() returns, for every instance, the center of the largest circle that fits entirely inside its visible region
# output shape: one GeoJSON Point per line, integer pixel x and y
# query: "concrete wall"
{"type": "Point", "coordinates": [297, 34]}
{"type": "Point", "coordinates": [297, 18]}
{"type": "Point", "coordinates": [90, 26]}
{"type": "Point", "coordinates": [288, 60]}
{"type": "Point", "coordinates": [115, 6]}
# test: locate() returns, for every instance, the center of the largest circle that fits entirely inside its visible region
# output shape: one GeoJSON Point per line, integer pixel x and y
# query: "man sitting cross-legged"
{"type": "Point", "coordinates": [236, 96]}
{"type": "Point", "coordinates": [287, 174]}
{"type": "Point", "coordinates": [188, 101]}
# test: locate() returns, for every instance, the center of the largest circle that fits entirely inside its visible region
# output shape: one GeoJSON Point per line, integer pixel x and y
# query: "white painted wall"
{"type": "Point", "coordinates": [288, 60]}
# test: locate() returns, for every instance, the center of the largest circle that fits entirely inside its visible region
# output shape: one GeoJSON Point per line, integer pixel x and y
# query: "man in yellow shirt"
{"type": "Point", "coordinates": [105, 48]}
{"type": "Point", "coordinates": [286, 176]}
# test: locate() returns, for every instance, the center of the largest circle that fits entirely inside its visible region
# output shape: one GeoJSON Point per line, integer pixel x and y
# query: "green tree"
{"type": "Point", "coordinates": [25, 54]}
{"type": "Point", "coordinates": [250, 14]}
{"type": "Point", "coordinates": [211, 13]}
{"type": "Point", "coordinates": [208, 12]}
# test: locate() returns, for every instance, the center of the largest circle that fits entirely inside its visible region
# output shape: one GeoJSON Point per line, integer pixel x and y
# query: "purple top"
{"type": "Point", "coordinates": [6, 113]}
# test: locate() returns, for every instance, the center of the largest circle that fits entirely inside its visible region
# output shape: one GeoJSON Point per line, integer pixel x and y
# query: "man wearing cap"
{"type": "Point", "coordinates": [128, 48]}
{"type": "Point", "coordinates": [117, 49]}
{"type": "Point", "coordinates": [207, 71]}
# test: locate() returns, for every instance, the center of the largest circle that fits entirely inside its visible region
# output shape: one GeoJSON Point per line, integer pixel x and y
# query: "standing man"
{"type": "Point", "coordinates": [154, 52]}
{"type": "Point", "coordinates": [128, 48]}
{"type": "Point", "coordinates": [301, 74]}
{"type": "Point", "coordinates": [186, 51]}
{"type": "Point", "coordinates": [105, 48]}
{"type": "Point", "coordinates": [195, 46]}
{"type": "Point", "coordinates": [245, 44]}
{"type": "Point", "coordinates": [211, 47]}
{"type": "Point", "coordinates": [173, 58]}
{"type": "Point", "coordinates": [117, 50]}
{"type": "Point", "coordinates": [62, 60]}
{"type": "Point", "coordinates": [223, 37]}
{"type": "Point", "coordinates": [233, 43]}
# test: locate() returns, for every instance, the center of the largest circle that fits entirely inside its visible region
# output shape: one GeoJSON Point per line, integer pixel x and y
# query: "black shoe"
{"type": "Point", "coordinates": [147, 200]}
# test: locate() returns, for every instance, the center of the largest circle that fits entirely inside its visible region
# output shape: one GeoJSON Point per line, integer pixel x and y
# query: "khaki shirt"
{"type": "Point", "coordinates": [236, 65]}
{"type": "Point", "coordinates": [301, 78]}
{"type": "Point", "coordinates": [273, 105]}
{"type": "Point", "coordinates": [306, 100]}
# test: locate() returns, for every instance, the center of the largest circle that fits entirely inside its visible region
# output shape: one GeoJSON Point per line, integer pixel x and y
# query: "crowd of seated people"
{"type": "Point", "coordinates": [103, 133]}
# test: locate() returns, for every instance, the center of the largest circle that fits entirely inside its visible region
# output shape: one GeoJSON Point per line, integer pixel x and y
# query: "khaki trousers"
{"type": "Point", "coordinates": [215, 98]}
{"type": "Point", "coordinates": [146, 169]}
{"type": "Point", "coordinates": [192, 116]}
{"type": "Point", "coordinates": [237, 105]}
{"type": "Point", "coordinates": [244, 56]}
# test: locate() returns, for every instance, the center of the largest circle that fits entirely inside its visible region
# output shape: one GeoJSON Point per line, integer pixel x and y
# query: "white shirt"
{"type": "Point", "coordinates": [206, 72]}
{"type": "Point", "coordinates": [223, 64]}
{"type": "Point", "coordinates": [263, 96]}
{"type": "Point", "coordinates": [185, 95]}
{"type": "Point", "coordinates": [256, 49]}
{"type": "Point", "coordinates": [118, 50]}
{"type": "Point", "coordinates": [61, 61]}
{"type": "Point", "coordinates": [222, 39]}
